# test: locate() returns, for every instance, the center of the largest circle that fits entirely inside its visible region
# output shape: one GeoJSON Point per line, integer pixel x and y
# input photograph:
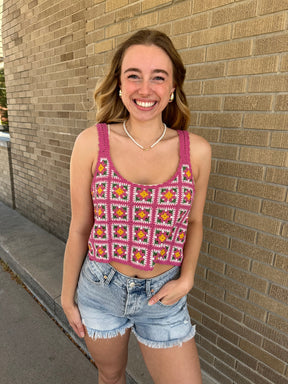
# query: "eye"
{"type": "Point", "coordinates": [159, 79]}
{"type": "Point", "coordinates": [133, 77]}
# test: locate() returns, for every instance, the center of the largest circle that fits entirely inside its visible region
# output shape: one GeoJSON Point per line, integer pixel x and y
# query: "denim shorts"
{"type": "Point", "coordinates": [110, 303]}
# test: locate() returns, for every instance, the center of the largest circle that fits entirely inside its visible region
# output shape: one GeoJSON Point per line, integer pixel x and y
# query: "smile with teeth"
{"type": "Point", "coordinates": [145, 104]}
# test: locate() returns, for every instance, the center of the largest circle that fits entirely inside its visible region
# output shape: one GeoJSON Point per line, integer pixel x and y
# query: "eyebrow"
{"type": "Point", "coordinates": [154, 71]}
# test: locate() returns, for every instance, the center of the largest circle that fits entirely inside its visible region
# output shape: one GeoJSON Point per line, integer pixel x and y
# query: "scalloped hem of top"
{"type": "Point", "coordinates": [166, 344]}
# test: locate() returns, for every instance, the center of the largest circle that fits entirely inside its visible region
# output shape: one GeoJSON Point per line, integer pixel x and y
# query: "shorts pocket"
{"type": "Point", "coordinates": [92, 273]}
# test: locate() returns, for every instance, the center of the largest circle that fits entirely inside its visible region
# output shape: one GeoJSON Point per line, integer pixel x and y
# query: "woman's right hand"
{"type": "Point", "coordinates": [73, 316]}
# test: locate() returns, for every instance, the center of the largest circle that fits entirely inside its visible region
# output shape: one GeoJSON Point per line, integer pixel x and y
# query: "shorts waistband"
{"type": "Point", "coordinates": [108, 271]}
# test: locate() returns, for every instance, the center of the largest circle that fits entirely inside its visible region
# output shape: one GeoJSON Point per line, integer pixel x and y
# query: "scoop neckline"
{"type": "Point", "coordinates": [154, 186]}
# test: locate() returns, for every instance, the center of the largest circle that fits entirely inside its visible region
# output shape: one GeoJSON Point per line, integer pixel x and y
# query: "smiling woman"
{"type": "Point", "coordinates": [138, 189]}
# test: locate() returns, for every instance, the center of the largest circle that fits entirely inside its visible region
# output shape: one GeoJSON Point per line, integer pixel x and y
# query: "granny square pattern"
{"type": "Point", "coordinates": [140, 225]}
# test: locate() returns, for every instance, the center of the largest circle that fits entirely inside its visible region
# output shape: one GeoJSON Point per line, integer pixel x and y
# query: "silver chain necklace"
{"type": "Point", "coordinates": [141, 146]}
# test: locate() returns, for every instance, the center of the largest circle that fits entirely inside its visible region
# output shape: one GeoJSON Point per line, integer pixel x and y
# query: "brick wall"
{"type": "Point", "coordinates": [237, 63]}
{"type": "Point", "coordinates": [6, 182]}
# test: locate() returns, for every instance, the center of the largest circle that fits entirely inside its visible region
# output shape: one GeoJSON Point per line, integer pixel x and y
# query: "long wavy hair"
{"type": "Point", "coordinates": [110, 108]}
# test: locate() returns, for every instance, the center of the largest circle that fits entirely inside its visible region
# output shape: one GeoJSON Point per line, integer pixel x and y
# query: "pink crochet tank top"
{"type": "Point", "coordinates": [139, 225]}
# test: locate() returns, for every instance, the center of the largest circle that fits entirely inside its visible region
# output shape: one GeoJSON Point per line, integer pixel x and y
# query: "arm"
{"type": "Point", "coordinates": [82, 160]}
{"type": "Point", "coordinates": [201, 164]}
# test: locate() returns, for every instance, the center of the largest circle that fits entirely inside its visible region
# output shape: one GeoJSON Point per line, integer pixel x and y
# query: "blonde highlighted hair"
{"type": "Point", "coordinates": [110, 108]}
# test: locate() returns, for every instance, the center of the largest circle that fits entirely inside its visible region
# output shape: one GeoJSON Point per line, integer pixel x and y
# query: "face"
{"type": "Point", "coordinates": [146, 81]}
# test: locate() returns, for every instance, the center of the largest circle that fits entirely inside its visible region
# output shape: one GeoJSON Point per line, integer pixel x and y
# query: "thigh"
{"type": "Point", "coordinates": [110, 355]}
{"type": "Point", "coordinates": [173, 365]}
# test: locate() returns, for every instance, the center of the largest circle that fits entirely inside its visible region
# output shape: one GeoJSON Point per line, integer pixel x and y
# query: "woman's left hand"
{"type": "Point", "coordinates": [171, 292]}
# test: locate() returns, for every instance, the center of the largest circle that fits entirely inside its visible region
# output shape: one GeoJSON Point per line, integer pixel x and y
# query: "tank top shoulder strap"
{"type": "Point", "coordinates": [103, 139]}
{"type": "Point", "coordinates": [184, 141]}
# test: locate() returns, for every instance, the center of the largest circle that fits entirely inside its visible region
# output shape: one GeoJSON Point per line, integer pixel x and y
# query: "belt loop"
{"type": "Point", "coordinates": [109, 276]}
{"type": "Point", "coordinates": [148, 288]}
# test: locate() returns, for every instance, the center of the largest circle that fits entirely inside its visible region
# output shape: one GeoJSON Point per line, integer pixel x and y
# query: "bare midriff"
{"type": "Point", "coordinates": [136, 273]}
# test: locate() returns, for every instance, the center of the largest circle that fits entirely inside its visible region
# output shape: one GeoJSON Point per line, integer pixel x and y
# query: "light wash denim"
{"type": "Point", "coordinates": [110, 303]}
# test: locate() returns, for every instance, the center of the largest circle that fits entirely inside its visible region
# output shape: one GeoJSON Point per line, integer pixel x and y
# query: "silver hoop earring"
{"type": "Point", "coordinates": [120, 93]}
{"type": "Point", "coordinates": [171, 97]}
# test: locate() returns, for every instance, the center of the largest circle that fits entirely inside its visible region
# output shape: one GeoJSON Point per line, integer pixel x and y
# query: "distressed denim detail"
{"type": "Point", "coordinates": [110, 303]}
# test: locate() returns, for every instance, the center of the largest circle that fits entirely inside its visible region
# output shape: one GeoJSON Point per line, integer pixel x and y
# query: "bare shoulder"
{"type": "Point", "coordinates": [200, 155]}
{"type": "Point", "coordinates": [199, 146]}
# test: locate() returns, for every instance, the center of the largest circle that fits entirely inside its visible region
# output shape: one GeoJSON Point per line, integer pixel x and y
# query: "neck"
{"type": "Point", "coordinates": [145, 131]}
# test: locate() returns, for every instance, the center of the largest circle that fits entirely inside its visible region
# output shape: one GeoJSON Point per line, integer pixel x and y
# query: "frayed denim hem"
{"type": "Point", "coordinates": [166, 344]}
{"type": "Point", "coordinates": [95, 334]}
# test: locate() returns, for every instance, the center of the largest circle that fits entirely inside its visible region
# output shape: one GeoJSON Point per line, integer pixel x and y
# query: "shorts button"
{"type": "Point", "coordinates": [132, 285]}
{"type": "Point", "coordinates": [105, 277]}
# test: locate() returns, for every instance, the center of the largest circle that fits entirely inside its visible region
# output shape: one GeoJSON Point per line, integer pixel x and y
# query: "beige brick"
{"type": "Point", "coordinates": [103, 46]}
{"type": "Point", "coordinates": [252, 252]}
{"type": "Point", "coordinates": [229, 50]}
{"type": "Point", "coordinates": [266, 121]}
{"type": "Point", "coordinates": [281, 262]}
{"type": "Point", "coordinates": [274, 44]}
{"type": "Point", "coordinates": [127, 13]}
{"type": "Point", "coordinates": [252, 66]}
{"type": "Point", "coordinates": [259, 222]}
{"type": "Point", "coordinates": [209, 262]}
{"type": "Point", "coordinates": [221, 86]}
{"type": "Point", "coordinates": [248, 103]}
{"type": "Point", "coordinates": [181, 42]}
{"type": "Point", "coordinates": [232, 120]}
{"type": "Point", "coordinates": [263, 356]}
{"type": "Point", "coordinates": [205, 71]}
{"type": "Point", "coordinates": [276, 210]}
{"type": "Point", "coordinates": [217, 210]}
{"type": "Point", "coordinates": [234, 230]}
{"type": "Point", "coordinates": [259, 26]}
{"type": "Point", "coordinates": [267, 191]}
{"type": "Point", "coordinates": [193, 56]}
{"type": "Point", "coordinates": [273, 242]}
{"type": "Point", "coordinates": [246, 279]}
{"type": "Point", "coordinates": [263, 156]}
{"type": "Point", "coordinates": [237, 169]}
{"type": "Point", "coordinates": [279, 140]}
{"type": "Point", "coordinates": [211, 135]}
{"type": "Point", "coordinates": [144, 21]}
{"type": "Point", "coordinates": [229, 257]}
{"type": "Point", "coordinates": [192, 88]}
{"type": "Point", "coordinates": [245, 137]}
{"type": "Point", "coordinates": [270, 304]}
{"type": "Point", "coordinates": [219, 239]}
{"type": "Point", "coordinates": [284, 63]}
{"type": "Point", "coordinates": [111, 5]}
{"type": "Point", "coordinates": [234, 13]}
{"type": "Point", "coordinates": [236, 200]}
{"type": "Point", "coordinates": [271, 6]}
{"type": "Point", "coordinates": [224, 152]}
{"type": "Point", "coordinates": [148, 4]}
{"type": "Point", "coordinates": [281, 103]}
{"type": "Point", "coordinates": [277, 176]}
{"type": "Point", "coordinates": [211, 36]}
{"type": "Point", "coordinates": [191, 24]}
{"type": "Point", "coordinates": [205, 5]}
{"type": "Point", "coordinates": [116, 29]}
{"type": "Point", "coordinates": [245, 306]}
{"type": "Point", "coordinates": [272, 83]}
{"type": "Point", "coordinates": [284, 232]}
{"type": "Point", "coordinates": [175, 12]}
{"type": "Point", "coordinates": [277, 322]}
{"type": "Point", "coordinates": [204, 103]}
{"type": "Point", "coordinates": [227, 284]}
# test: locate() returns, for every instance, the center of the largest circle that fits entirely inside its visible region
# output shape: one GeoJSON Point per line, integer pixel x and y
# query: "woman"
{"type": "Point", "coordinates": [137, 209]}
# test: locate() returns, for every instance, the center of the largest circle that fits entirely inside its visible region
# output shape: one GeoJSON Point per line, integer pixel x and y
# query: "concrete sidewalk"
{"type": "Point", "coordinates": [36, 257]}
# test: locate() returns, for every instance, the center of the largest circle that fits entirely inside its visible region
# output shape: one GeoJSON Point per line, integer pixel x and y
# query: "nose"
{"type": "Point", "coordinates": [145, 89]}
